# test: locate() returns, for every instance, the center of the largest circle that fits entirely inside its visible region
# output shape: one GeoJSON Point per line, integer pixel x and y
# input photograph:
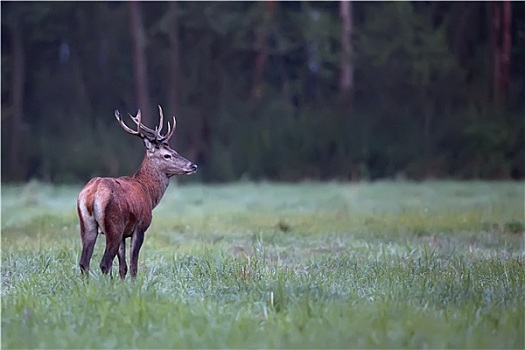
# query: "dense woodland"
{"type": "Point", "coordinates": [266, 90]}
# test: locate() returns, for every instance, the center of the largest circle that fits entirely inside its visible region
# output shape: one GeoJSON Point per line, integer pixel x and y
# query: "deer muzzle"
{"type": "Point", "coordinates": [192, 170]}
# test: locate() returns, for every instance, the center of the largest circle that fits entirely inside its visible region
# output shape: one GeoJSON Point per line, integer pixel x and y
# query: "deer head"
{"type": "Point", "coordinates": [165, 159]}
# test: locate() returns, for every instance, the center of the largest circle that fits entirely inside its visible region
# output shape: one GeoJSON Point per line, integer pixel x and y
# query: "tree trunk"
{"type": "Point", "coordinates": [17, 103]}
{"type": "Point", "coordinates": [140, 63]}
{"type": "Point", "coordinates": [192, 138]}
{"type": "Point", "coordinates": [262, 55]}
{"type": "Point", "coordinates": [506, 46]}
{"type": "Point", "coordinates": [427, 135]}
{"type": "Point", "coordinates": [501, 46]}
{"type": "Point", "coordinates": [346, 82]}
{"type": "Point", "coordinates": [174, 64]}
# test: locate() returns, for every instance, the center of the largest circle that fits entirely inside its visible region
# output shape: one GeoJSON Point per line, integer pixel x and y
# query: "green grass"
{"type": "Point", "coordinates": [310, 265]}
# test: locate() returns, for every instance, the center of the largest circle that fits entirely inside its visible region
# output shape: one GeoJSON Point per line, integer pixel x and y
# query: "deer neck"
{"type": "Point", "coordinates": [153, 181]}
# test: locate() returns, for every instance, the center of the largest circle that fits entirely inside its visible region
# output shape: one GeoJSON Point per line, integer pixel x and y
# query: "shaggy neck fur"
{"type": "Point", "coordinates": [152, 180]}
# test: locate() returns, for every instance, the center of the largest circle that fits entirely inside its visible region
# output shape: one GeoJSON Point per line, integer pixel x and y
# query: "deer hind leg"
{"type": "Point", "coordinates": [88, 235]}
{"type": "Point", "coordinates": [123, 267]}
{"type": "Point", "coordinates": [114, 237]}
{"type": "Point", "coordinates": [109, 255]}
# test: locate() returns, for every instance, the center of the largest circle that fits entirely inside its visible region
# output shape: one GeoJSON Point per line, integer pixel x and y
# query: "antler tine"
{"type": "Point", "coordinates": [170, 130]}
{"type": "Point", "coordinates": [157, 135]}
{"type": "Point", "coordinates": [169, 133]}
{"type": "Point", "coordinates": [124, 126]}
{"type": "Point", "coordinates": [137, 121]}
{"type": "Point", "coordinates": [139, 117]}
{"type": "Point", "coordinates": [163, 138]}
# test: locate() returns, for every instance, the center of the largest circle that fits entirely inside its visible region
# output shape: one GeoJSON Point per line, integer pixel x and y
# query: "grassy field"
{"type": "Point", "coordinates": [309, 265]}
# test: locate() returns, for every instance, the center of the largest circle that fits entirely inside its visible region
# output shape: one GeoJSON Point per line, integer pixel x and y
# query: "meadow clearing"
{"type": "Point", "coordinates": [436, 264]}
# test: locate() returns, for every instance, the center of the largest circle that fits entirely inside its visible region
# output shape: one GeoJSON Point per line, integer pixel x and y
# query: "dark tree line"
{"type": "Point", "coordinates": [276, 90]}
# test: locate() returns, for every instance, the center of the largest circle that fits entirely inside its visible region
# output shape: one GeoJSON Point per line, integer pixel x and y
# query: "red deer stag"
{"type": "Point", "coordinates": [121, 207]}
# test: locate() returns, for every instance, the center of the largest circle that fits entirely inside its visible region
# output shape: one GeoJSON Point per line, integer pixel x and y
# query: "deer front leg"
{"type": "Point", "coordinates": [123, 267]}
{"type": "Point", "coordinates": [136, 242]}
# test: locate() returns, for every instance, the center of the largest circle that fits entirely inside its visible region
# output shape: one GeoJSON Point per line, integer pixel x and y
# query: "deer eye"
{"type": "Point", "coordinates": [167, 156]}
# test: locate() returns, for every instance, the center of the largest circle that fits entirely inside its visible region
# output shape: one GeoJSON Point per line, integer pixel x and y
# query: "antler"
{"type": "Point", "coordinates": [141, 127]}
{"type": "Point", "coordinates": [170, 132]}
{"type": "Point", "coordinates": [128, 129]}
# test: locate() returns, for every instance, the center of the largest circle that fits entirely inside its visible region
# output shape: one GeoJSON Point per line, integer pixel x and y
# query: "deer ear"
{"type": "Point", "coordinates": [148, 144]}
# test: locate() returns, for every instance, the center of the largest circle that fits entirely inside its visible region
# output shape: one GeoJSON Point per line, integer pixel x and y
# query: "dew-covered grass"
{"type": "Point", "coordinates": [262, 265]}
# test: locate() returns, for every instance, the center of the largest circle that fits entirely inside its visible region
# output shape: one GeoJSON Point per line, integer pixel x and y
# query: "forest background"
{"type": "Point", "coordinates": [272, 90]}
